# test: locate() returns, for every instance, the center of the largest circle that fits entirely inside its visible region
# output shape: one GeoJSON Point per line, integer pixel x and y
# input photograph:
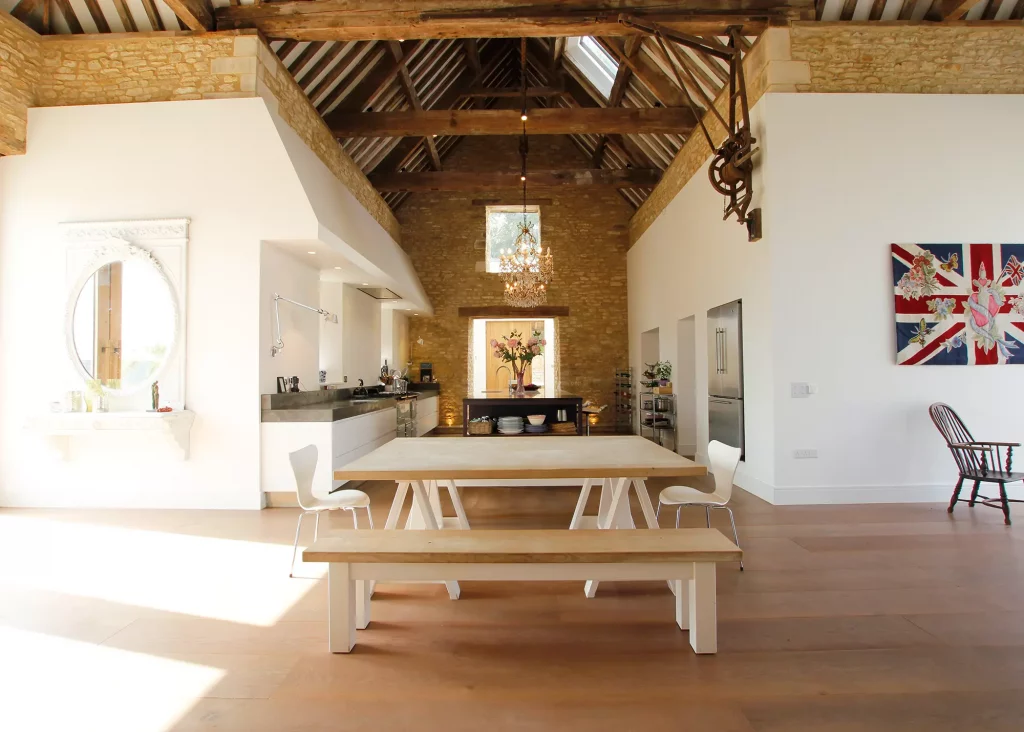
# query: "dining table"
{"type": "Point", "coordinates": [614, 463]}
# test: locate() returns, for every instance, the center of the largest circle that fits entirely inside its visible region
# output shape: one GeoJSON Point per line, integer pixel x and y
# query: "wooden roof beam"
{"type": "Point", "coordinates": [644, 68]}
{"type": "Point", "coordinates": [197, 15]}
{"type": "Point", "coordinates": [344, 20]}
{"type": "Point", "coordinates": [457, 180]}
{"type": "Point", "coordinates": [414, 99]}
{"type": "Point", "coordinates": [543, 121]}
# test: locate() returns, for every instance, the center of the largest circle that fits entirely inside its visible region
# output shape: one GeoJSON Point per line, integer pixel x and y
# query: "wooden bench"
{"type": "Point", "coordinates": [358, 558]}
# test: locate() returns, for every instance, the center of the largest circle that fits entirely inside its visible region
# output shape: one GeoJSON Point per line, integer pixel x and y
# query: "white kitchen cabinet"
{"type": "Point", "coordinates": [426, 415]}
{"type": "Point", "coordinates": [338, 443]}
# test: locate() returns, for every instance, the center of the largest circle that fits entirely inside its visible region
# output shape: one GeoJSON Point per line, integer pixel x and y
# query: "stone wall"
{"type": "Point", "coordinates": [858, 58]}
{"type": "Point", "coordinates": [444, 235]}
{"type": "Point", "coordinates": [19, 76]}
{"type": "Point", "coordinates": [53, 71]}
{"type": "Point", "coordinates": [916, 59]}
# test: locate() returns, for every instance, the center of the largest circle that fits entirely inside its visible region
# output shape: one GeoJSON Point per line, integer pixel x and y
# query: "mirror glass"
{"type": "Point", "coordinates": [124, 324]}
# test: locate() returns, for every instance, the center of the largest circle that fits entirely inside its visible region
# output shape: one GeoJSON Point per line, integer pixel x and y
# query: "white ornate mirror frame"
{"type": "Point", "coordinates": [160, 244]}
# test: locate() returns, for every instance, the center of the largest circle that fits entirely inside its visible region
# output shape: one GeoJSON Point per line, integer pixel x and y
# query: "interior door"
{"type": "Point", "coordinates": [497, 377]}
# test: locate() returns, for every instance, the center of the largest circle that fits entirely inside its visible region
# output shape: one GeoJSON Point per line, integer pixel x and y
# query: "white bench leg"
{"type": "Point", "coordinates": [703, 608]}
{"type": "Point", "coordinates": [681, 590]}
{"type": "Point", "coordinates": [364, 591]}
{"type": "Point", "coordinates": [341, 608]}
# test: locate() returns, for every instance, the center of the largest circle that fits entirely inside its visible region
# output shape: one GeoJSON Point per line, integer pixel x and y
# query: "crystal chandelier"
{"type": "Point", "coordinates": [525, 268]}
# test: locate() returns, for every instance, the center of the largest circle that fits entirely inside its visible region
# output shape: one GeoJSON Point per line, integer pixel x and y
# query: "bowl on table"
{"type": "Point", "coordinates": [536, 419]}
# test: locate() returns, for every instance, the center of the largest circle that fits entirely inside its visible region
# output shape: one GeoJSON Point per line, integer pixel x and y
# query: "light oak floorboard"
{"type": "Point", "coordinates": [848, 618]}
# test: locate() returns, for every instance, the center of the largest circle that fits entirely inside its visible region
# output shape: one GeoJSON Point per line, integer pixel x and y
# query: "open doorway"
{"type": "Point", "coordinates": [686, 387]}
{"type": "Point", "coordinates": [490, 375]}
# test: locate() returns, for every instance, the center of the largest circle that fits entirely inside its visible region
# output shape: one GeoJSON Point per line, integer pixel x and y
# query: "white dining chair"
{"type": "Point", "coordinates": [304, 466]}
{"type": "Point", "coordinates": [724, 460]}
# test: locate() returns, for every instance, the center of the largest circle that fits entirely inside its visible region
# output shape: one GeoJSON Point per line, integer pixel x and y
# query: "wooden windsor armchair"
{"type": "Point", "coordinates": [981, 462]}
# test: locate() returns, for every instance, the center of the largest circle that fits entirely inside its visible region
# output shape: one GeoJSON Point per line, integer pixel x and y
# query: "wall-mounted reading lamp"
{"type": "Point", "coordinates": [278, 343]}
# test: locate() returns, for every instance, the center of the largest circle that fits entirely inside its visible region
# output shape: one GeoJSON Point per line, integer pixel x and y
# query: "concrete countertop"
{"type": "Point", "coordinates": [323, 406]}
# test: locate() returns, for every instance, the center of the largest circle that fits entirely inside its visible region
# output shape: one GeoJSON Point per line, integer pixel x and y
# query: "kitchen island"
{"type": "Point", "coordinates": [496, 404]}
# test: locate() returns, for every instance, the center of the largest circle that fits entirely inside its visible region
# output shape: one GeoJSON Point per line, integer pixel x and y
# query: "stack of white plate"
{"type": "Point", "coordinates": [510, 425]}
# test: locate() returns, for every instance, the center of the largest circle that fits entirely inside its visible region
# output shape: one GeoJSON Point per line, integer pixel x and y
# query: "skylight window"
{"type": "Point", "coordinates": [594, 62]}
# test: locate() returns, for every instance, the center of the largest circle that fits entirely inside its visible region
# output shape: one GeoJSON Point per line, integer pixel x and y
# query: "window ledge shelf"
{"type": "Point", "coordinates": [61, 426]}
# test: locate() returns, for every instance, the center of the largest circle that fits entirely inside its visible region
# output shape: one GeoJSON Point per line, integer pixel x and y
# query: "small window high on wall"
{"type": "Point", "coordinates": [597, 64]}
{"type": "Point", "coordinates": [503, 227]}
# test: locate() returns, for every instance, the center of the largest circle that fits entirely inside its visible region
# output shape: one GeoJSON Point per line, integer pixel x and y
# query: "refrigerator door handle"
{"type": "Point", "coordinates": [718, 350]}
{"type": "Point", "coordinates": [725, 348]}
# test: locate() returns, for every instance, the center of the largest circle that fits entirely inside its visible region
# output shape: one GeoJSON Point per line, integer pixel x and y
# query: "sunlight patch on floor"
{"type": "Point", "coordinates": [238, 581]}
{"type": "Point", "coordinates": [53, 683]}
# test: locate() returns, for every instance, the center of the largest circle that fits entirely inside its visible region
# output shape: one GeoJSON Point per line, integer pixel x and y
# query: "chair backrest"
{"type": "Point", "coordinates": [954, 431]}
{"type": "Point", "coordinates": [304, 466]}
{"type": "Point", "coordinates": [949, 424]}
{"type": "Point", "coordinates": [724, 460]}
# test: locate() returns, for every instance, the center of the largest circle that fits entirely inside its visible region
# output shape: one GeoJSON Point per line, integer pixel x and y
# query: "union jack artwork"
{"type": "Point", "coordinates": [958, 304]}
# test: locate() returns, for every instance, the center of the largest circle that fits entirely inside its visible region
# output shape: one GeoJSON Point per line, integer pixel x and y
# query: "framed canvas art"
{"type": "Point", "coordinates": [958, 304]}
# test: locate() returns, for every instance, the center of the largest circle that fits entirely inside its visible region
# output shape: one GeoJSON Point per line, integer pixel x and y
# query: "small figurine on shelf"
{"type": "Point", "coordinates": [156, 396]}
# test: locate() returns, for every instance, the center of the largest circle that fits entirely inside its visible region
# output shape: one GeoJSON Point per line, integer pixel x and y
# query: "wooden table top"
{"type": "Point", "coordinates": [505, 546]}
{"type": "Point", "coordinates": [548, 456]}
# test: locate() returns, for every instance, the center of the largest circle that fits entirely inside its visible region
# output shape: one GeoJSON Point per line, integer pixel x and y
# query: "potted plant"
{"type": "Point", "coordinates": [663, 370]}
{"type": "Point", "coordinates": [518, 354]}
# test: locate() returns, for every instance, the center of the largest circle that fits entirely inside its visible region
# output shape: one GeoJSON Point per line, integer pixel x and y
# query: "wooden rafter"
{"type": "Point", "coordinates": [991, 8]}
{"type": "Point", "coordinates": [197, 15]}
{"type": "Point", "coordinates": [23, 10]}
{"type": "Point", "coordinates": [379, 77]}
{"type": "Point", "coordinates": [126, 16]}
{"type": "Point", "coordinates": [907, 9]}
{"type": "Point", "coordinates": [1018, 11]}
{"type": "Point", "coordinates": [414, 99]}
{"type": "Point", "coordinates": [950, 9]}
{"type": "Point", "coordinates": [321, 65]}
{"type": "Point", "coordinates": [341, 69]}
{"type": "Point", "coordinates": [847, 12]}
{"type": "Point", "coordinates": [877, 6]}
{"type": "Point", "coordinates": [305, 57]}
{"type": "Point", "coordinates": [547, 121]}
{"type": "Point", "coordinates": [457, 180]}
{"type": "Point", "coordinates": [399, 19]}
{"type": "Point", "coordinates": [473, 55]}
{"type": "Point", "coordinates": [532, 92]}
{"type": "Point", "coordinates": [618, 91]}
{"type": "Point", "coordinates": [69, 16]}
{"type": "Point", "coordinates": [648, 72]}
{"type": "Point", "coordinates": [155, 21]}
{"type": "Point", "coordinates": [97, 16]}
{"type": "Point", "coordinates": [286, 48]}
{"type": "Point", "coordinates": [47, 20]}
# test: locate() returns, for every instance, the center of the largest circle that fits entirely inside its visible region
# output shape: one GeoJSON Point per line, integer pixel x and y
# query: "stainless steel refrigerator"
{"type": "Point", "coordinates": [725, 374]}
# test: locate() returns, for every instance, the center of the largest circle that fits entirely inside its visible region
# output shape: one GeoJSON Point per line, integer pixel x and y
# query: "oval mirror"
{"type": "Point", "coordinates": [124, 324]}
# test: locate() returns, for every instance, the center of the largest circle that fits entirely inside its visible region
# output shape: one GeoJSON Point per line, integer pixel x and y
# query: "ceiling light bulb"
{"type": "Point", "coordinates": [522, 178]}
{"type": "Point", "coordinates": [310, 252]}
{"type": "Point", "coordinates": [366, 284]}
{"type": "Point", "coordinates": [523, 117]}
{"type": "Point", "coordinates": [337, 267]}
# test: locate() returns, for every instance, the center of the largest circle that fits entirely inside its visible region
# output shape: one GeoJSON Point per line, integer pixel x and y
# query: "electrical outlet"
{"type": "Point", "coordinates": [805, 454]}
{"type": "Point", "coordinates": [344, 379]}
{"type": "Point", "coordinates": [800, 390]}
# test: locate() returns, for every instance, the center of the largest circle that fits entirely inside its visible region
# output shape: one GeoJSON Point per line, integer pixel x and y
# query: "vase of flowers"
{"type": "Point", "coordinates": [518, 352]}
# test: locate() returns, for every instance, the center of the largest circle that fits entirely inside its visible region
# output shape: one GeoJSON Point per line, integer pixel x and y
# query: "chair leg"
{"type": "Point", "coordinates": [369, 516]}
{"type": "Point", "coordinates": [295, 546]}
{"type": "Point", "coordinates": [974, 493]}
{"type": "Point", "coordinates": [1006, 504]}
{"type": "Point", "coordinates": [707, 515]}
{"type": "Point", "coordinates": [956, 494]}
{"type": "Point", "coordinates": [678, 509]}
{"type": "Point", "coordinates": [316, 527]}
{"type": "Point", "coordinates": [657, 511]}
{"type": "Point", "coordinates": [735, 536]}
{"type": "Point", "coordinates": [355, 519]}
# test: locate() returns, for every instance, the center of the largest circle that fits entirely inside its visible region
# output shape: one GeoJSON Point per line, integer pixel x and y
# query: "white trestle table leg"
{"type": "Point", "coordinates": [616, 516]}
{"type": "Point", "coordinates": [703, 608]}
{"type": "Point", "coordinates": [401, 491]}
{"type": "Point", "coordinates": [581, 504]}
{"type": "Point", "coordinates": [424, 515]}
{"type": "Point", "coordinates": [341, 608]}
{"type": "Point", "coordinates": [460, 512]}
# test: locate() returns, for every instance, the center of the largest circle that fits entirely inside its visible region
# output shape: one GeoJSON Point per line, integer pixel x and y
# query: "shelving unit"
{"type": "Point", "coordinates": [623, 419]}
{"type": "Point", "coordinates": [658, 417]}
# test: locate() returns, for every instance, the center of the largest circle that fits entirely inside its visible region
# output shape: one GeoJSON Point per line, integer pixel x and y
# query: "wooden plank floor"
{"type": "Point", "coordinates": [894, 617]}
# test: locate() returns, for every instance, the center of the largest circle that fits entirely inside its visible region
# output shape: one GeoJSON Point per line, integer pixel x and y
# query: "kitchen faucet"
{"type": "Point", "coordinates": [510, 375]}
{"type": "Point", "coordinates": [359, 390]}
